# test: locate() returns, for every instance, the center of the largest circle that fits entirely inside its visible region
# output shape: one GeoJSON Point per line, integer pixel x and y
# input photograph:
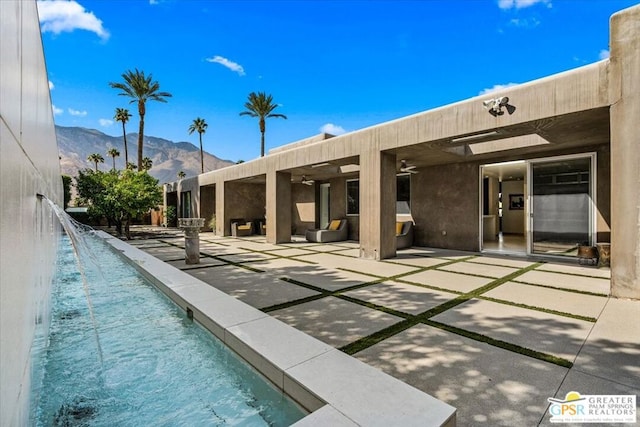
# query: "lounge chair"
{"type": "Point", "coordinates": [404, 234]}
{"type": "Point", "coordinates": [335, 231]}
{"type": "Point", "coordinates": [240, 227]}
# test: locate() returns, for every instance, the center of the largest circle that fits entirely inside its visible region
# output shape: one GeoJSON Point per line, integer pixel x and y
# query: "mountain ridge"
{"type": "Point", "coordinates": [75, 144]}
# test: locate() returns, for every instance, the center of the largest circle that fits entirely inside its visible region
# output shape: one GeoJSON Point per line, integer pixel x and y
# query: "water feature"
{"type": "Point", "coordinates": [120, 353]}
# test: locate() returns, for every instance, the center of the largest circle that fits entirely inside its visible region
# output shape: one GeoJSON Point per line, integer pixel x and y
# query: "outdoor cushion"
{"type": "Point", "coordinates": [244, 227]}
{"type": "Point", "coordinates": [399, 226]}
{"type": "Point", "coordinates": [334, 225]}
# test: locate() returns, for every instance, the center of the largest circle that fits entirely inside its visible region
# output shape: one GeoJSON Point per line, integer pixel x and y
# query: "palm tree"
{"type": "Point", "coordinates": [96, 158]}
{"type": "Point", "coordinates": [140, 88]}
{"type": "Point", "coordinates": [261, 105]}
{"type": "Point", "coordinates": [122, 115]}
{"type": "Point", "coordinates": [181, 175]}
{"type": "Point", "coordinates": [200, 126]}
{"type": "Point", "coordinates": [113, 152]}
{"type": "Point", "coordinates": [146, 164]}
{"type": "Point", "coordinates": [131, 166]}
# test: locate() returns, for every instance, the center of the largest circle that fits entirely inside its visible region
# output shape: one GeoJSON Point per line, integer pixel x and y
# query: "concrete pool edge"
{"type": "Point", "coordinates": [334, 387]}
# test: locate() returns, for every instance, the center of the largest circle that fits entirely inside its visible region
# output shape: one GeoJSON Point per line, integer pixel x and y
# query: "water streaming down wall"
{"type": "Point", "coordinates": [29, 232]}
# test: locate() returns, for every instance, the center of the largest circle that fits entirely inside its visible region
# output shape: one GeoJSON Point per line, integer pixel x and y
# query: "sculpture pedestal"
{"type": "Point", "coordinates": [191, 228]}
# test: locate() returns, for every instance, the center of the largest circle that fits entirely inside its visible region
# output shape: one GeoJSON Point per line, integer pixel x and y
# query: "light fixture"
{"type": "Point", "coordinates": [319, 165]}
{"type": "Point", "coordinates": [306, 181]}
{"type": "Point", "coordinates": [495, 105]}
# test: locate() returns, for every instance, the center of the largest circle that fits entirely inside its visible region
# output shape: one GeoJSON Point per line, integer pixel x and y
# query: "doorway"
{"type": "Point", "coordinates": [325, 208]}
{"type": "Point", "coordinates": [503, 225]}
{"type": "Point", "coordinates": [540, 206]}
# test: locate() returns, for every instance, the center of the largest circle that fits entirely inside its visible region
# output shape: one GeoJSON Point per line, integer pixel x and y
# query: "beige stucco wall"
{"type": "Point", "coordinates": [303, 208]}
{"type": "Point", "coordinates": [29, 232]}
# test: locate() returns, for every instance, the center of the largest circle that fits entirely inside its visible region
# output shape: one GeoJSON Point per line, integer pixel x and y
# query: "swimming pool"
{"type": "Point", "coordinates": [139, 360]}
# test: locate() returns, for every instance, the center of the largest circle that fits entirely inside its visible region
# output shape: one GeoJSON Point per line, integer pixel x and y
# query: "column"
{"type": "Point", "coordinates": [278, 207]}
{"type": "Point", "coordinates": [377, 205]}
{"type": "Point", "coordinates": [625, 153]}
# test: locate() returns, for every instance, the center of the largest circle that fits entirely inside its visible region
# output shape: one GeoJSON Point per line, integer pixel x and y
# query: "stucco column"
{"type": "Point", "coordinates": [278, 207]}
{"type": "Point", "coordinates": [625, 153]}
{"type": "Point", "coordinates": [377, 205]}
{"type": "Point", "coordinates": [221, 218]}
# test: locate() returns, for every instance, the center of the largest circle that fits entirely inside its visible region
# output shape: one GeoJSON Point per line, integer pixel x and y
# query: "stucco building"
{"type": "Point", "coordinates": [536, 169]}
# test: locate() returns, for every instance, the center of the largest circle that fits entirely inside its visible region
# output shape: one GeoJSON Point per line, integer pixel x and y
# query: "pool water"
{"type": "Point", "coordinates": [139, 361]}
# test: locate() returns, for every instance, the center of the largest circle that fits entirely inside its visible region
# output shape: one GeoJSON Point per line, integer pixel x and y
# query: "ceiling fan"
{"type": "Point", "coordinates": [306, 181]}
{"type": "Point", "coordinates": [407, 168]}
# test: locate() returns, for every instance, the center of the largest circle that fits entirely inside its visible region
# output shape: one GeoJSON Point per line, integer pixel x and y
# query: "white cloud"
{"type": "Point", "coordinates": [51, 86]}
{"type": "Point", "coordinates": [604, 54]}
{"type": "Point", "coordinates": [59, 16]}
{"type": "Point", "coordinates": [521, 4]}
{"type": "Point", "coordinates": [496, 88]}
{"type": "Point", "coordinates": [525, 23]}
{"type": "Point", "coordinates": [332, 129]}
{"type": "Point", "coordinates": [56, 111]}
{"type": "Point", "coordinates": [153, 1]}
{"type": "Point", "coordinates": [77, 112]}
{"type": "Point", "coordinates": [233, 66]}
{"type": "Point", "coordinates": [105, 122]}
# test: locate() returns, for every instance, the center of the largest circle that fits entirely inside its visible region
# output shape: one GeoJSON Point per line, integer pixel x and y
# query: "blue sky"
{"type": "Point", "coordinates": [334, 66]}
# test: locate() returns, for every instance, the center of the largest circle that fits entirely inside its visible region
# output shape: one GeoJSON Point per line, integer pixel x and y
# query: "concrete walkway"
{"type": "Point", "coordinates": [493, 336]}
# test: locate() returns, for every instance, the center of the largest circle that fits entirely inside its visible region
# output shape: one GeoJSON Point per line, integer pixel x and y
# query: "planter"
{"type": "Point", "coordinates": [587, 255]}
{"type": "Point", "coordinates": [604, 254]}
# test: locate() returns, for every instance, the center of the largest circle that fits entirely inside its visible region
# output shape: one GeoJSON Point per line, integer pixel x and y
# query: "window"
{"type": "Point", "coordinates": [353, 197]}
{"type": "Point", "coordinates": [403, 195]}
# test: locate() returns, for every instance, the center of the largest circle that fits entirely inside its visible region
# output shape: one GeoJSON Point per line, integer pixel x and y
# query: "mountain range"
{"type": "Point", "coordinates": [75, 144]}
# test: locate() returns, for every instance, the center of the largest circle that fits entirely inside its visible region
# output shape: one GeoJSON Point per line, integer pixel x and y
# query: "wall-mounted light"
{"type": "Point", "coordinates": [495, 105]}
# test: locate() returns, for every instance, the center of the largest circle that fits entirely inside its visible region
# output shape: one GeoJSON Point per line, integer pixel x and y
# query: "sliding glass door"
{"type": "Point", "coordinates": [562, 204]}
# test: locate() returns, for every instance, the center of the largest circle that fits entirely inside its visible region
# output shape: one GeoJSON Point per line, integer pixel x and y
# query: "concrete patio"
{"type": "Point", "coordinates": [492, 336]}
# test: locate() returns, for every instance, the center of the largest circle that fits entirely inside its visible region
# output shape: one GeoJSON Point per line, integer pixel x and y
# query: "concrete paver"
{"type": "Point", "coordinates": [257, 290]}
{"type": "Point", "coordinates": [494, 271]}
{"type": "Point", "coordinates": [604, 273]}
{"type": "Point", "coordinates": [334, 321]}
{"type": "Point", "coordinates": [566, 281]}
{"type": "Point", "coordinates": [488, 385]}
{"type": "Point", "coordinates": [380, 269]}
{"type": "Point", "coordinates": [535, 330]}
{"type": "Point", "coordinates": [402, 297]}
{"type": "Point", "coordinates": [553, 299]}
{"type": "Point", "coordinates": [418, 261]}
{"type": "Point", "coordinates": [204, 262]}
{"type": "Point", "coordinates": [289, 252]}
{"type": "Point", "coordinates": [503, 261]}
{"type": "Point", "coordinates": [612, 349]}
{"type": "Point", "coordinates": [447, 280]}
{"type": "Point", "coordinates": [327, 278]}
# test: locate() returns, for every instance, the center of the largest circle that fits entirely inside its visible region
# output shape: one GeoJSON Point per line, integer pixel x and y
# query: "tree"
{"type": "Point", "coordinates": [261, 105]}
{"type": "Point", "coordinates": [140, 88]}
{"type": "Point", "coordinates": [131, 166]}
{"type": "Point", "coordinates": [147, 163]}
{"type": "Point", "coordinates": [181, 175]}
{"type": "Point", "coordinates": [118, 195]}
{"type": "Point", "coordinates": [200, 126]}
{"type": "Point", "coordinates": [122, 115]}
{"type": "Point", "coordinates": [66, 186]}
{"type": "Point", "coordinates": [96, 158]}
{"type": "Point", "coordinates": [113, 152]}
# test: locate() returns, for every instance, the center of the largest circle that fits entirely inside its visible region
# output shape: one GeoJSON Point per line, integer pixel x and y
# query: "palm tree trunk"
{"type": "Point", "coordinates": [262, 129]}
{"type": "Point", "coordinates": [201, 155]}
{"type": "Point", "coordinates": [126, 152]}
{"type": "Point", "coordinates": [114, 162]}
{"type": "Point", "coordinates": [96, 162]}
{"type": "Point", "coordinates": [141, 111]}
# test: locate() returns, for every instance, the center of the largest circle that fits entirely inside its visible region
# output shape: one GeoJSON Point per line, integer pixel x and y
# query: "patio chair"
{"type": "Point", "coordinates": [404, 234]}
{"type": "Point", "coordinates": [335, 231]}
{"type": "Point", "coordinates": [240, 227]}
